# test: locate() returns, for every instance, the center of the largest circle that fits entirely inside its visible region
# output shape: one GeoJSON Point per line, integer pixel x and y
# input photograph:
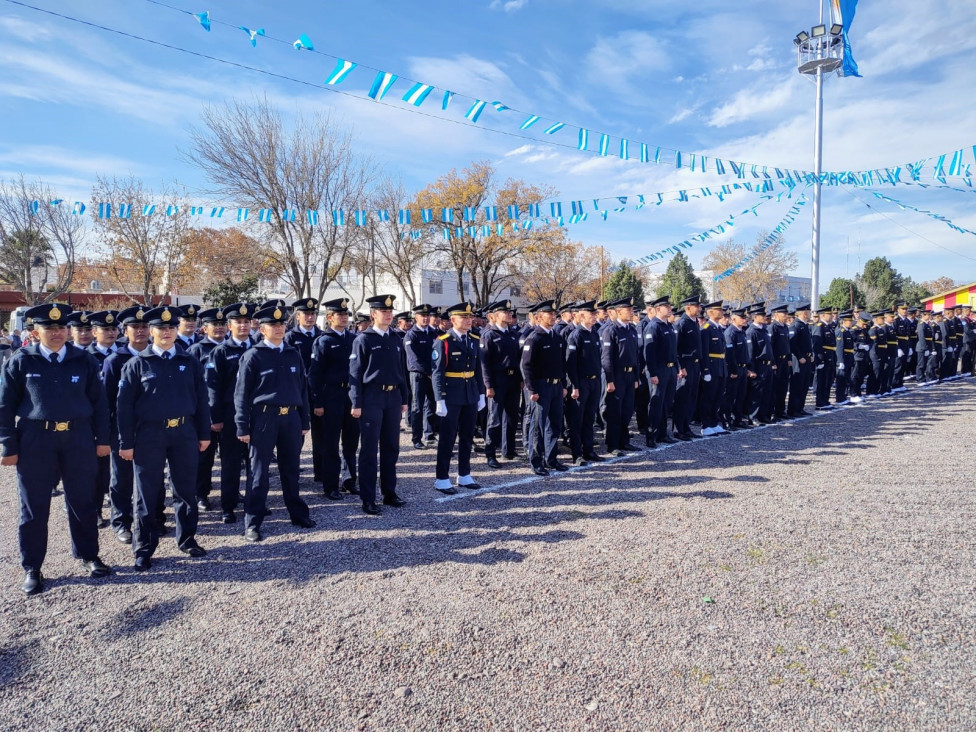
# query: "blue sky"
{"type": "Point", "coordinates": [713, 76]}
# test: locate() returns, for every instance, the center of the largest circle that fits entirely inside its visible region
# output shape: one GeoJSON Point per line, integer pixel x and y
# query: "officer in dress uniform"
{"type": "Point", "coordinates": [689, 345]}
{"type": "Point", "coordinates": [947, 326]}
{"type": "Point", "coordinates": [271, 413]}
{"type": "Point", "coordinates": [378, 392]}
{"type": "Point", "coordinates": [583, 368]}
{"type": "Point", "coordinates": [892, 352]}
{"type": "Point", "coordinates": [565, 319]}
{"type": "Point", "coordinates": [214, 329]}
{"type": "Point", "coordinates": [544, 372]}
{"type": "Point", "coordinates": [460, 394]}
{"type": "Point", "coordinates": [878, 354]}
{"type": "Point", "coordinates": [760, 397]}
{"type": "Point", "coordinates": [844, 335]}
{"type": "Point", "coordinates": [418, 345]}
{"type": "Point", "coordinates": [801, 351]}
{"type": "Point", "coordinates": [500, 359]}
{"type": "Point", "coordinates": [329, 388]}
{"type": "Point", "coordinates": [619, 344]}
{"type": "Point", "coordinates": [53, 425]}
{"type": "Point", "coordinates": [136, 330]}
{"type": "Point", "coordinates": [164, 418]}
{"type": "Point", "coordinates": [740, 372]}
{"type": "Point", "coordinates": [779, 336]}
{"type": "Point", "coordinates": [824, 340]}
{"type": "Point", "coordinates": [863, 345]}
{"type": "Point", "coordinates": [663, 371]}
{"type": "Point", "coordinates": [968, 340]}
{"type": "Point", "coordinates": [221, 376]}
{"type": "Point", "coordinates": [715, 370]}
{"type": "Point", "coordinates": [105, 330]}
{"type": "Point", "coordinates": [905, 335]}
{"type": "Point", "coordinates": [187, 331]}
{"type": "Point", "coordinates": [302, 337]}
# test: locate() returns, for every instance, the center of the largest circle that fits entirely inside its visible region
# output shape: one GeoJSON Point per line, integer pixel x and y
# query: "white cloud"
{"type": "Point", "coordinates": [509, 6]}
{"type": "Point", "coordinates": [626, 61]}
{"type": "Point", "coordinates": [755, 101]}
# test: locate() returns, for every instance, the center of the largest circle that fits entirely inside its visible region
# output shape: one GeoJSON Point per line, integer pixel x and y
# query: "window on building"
{"type": "Point", "coordinates": [436, 287]}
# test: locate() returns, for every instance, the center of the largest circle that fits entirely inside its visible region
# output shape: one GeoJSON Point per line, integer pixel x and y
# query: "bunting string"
{"type": "Point", "coordinates": [768, 241]}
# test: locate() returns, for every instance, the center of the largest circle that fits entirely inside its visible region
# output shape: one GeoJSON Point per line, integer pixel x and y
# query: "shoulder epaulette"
{"type": "Point", "coordinates": [443, 337]}
{"type": "Point", "coordinates": [476, 337]}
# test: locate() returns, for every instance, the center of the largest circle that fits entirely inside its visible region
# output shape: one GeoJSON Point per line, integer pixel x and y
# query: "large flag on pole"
{"type": "Point", "coordinates": [842, 11]}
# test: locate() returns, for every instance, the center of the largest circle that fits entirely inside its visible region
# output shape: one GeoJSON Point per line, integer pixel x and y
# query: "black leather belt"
{"type": "Point", "coordinates": [175, 422]}
{"type": "Point", "coordinates": [281, 411]}
{"type": "Point", "coordinates": [628, 369]}
{"type": "Point", "coordinates": [550, 381]}
{"type": "Point", "coordinates": [53, 426]}
{"type": "Point", "coordinates": [591, 377]}
{"type": "Point", "coordinates": [385, 387]}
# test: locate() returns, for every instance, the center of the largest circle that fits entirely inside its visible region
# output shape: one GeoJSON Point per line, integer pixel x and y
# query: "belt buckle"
{"type": "Point", "coordinates": [283, 411]}
{"type": "Point", "coordinates": [62, 426]}
{"type": "Point", "coordinates": [173, 422]}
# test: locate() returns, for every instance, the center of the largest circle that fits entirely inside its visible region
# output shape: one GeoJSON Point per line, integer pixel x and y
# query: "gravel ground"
{"type": "Point", "coordinates": [815, 575]}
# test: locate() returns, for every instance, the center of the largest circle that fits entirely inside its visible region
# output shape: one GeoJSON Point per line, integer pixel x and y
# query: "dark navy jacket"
{"type": "Point", "coordinates": [269, 377]}
{"type": "Point", "coordinates": [759, 345]}
{"type": "Point", "coordinates": [34, 388]}
{"type": "Point", "coordinates": [457, 369]}
{"type": "Point", "coordinates": [583, 356]}
{"type": "Point", "coordinates": [201, 350]}
{"type": "Point", "coordinates": [619, 346]}
{"type": "Point", "coordinates": [660, 347]}
{"type": "Point", "coordinates": [376, 361]}
{"type": "Point", "coordinates": [304, 343]}
{"type": "Point", "coordinates": [418, 343]}
{"type": "Point", "coordinates": [328, 376]}
{"type": "Point", "coordinates": [689, 342]}
{"type": "Point", "coordinates": [714, 350]}
{"type": "Point", "coordinates": [500, 356]}
{"type": "Point", "coordinates": [542, 359]}
{"type": "Point", "coordinates": [221, 377]}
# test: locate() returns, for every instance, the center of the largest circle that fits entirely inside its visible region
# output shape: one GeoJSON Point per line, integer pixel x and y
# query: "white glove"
{"type": "Point", "coordinates": [441, 409]}
{"type": "Point", "coordinates": [481, 402]}
{"type": "Point", "coordinates": [901, 353]}
{"type": "Point", "coordinates": [926, 354]}
{"type": "Point", "coordinates": [949, 349]}
{"type": "Point", "coordinates": [820, 367]}
{"type": "Point", "coordinates": [707, 377]}
{"type": "Point", "coordinates": [911, 351]}
{"type": "Point", "coordinates": [840, 365]}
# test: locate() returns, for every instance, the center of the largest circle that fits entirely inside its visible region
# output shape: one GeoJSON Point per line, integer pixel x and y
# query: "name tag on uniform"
{"type": "Point", "coordinates": [266, 372]}
{"type": "Point", "coordinates": [335, 345]}
{"type": "Point", "coordinates": [375, 348]}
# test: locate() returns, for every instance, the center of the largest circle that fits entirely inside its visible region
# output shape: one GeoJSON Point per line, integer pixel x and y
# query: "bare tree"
{"type": "Point", "coordinates": [251, 158]}
{"type": "Point", "coordinates": [396, 251]}
{"type": "Point", "coordinates": [562, 272]}
{"type": "Point", "coordinates": [758, 279]}
{"type": "Point", "coordinates": [147, 247]}
{"type": "Point", "coordinates": [39, 237]}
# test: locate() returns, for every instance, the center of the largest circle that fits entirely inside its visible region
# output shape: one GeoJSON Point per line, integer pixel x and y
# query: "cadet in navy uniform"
{"type": "Point", "coordinates": [862, 355]}
{"type": "Point", "coordinates": [741, 371]}
{"type": "Point", "coordinates": [460, 395]}
{"type": "Point", "coordinates": [105, 329]}
{"type": "Point", "coordinates": [54, 393]}
{"type": "Point", "coordinates": [543, 371]}
{"type": "Point", "coordinates": [121, 487]}
{"type": "Point", "coordinates": [303, 337]}
{"type": "Point", "coordinates": [618, 357]}
{"type": "Point", "coordinates": [186, 334]}
{"type": "Point", "coordinates": [500, 359]}
{"type": "Point", "coordinates": [779, 337]}
{"type": "Point", "coordinates": [689, 345]}
{"type": "Point", "coordinates": [418, 345]}
{"type": "Point", "coordinates": [801, 349]}
{"type": "Point", "coordinates": [271, 414]}
{"type": "Point", "coordinates": [163, 419]}
{"type": "Point", "coordinates": [905, 334]}
{"type": "Point", "coordinates": [824, 341]}
{"type": "Point", "coordinates": [760, 397]}
{"type": "Point", "coordinates": [214, 330]}
{"type": "Point", "coordinates": [81, 329]}
{"type": "Point", "coordinates": [328, 383]}
{"type": "Point", "coordinates": [844, 336]}
{"type": "Point", "coordinates": [663, 372]}
{"type": "Point", "coordinates": [583, 367]}
{"type": "Point", "coordinates": [378, 392]}
{"type": "Point", "coordinates": [715, 369]}
{"type": "Point", "coordinates": [221, 377]}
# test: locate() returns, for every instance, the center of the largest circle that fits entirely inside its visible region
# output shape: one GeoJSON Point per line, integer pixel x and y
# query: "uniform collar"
{"type": "Point", "coordinates": [46, 352]}
{"type": "Point", "coordinates": [159, 351]}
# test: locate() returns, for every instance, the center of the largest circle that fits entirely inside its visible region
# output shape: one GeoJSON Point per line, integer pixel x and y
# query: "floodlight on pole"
{"type": "Point", "coordinates": [817, 54]}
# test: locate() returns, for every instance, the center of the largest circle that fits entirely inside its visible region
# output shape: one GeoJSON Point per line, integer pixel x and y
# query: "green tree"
{"type": "Point", "coordinates": [880, 283]}
{"type": "Point", "coordinates": [680, 281]}
{"type": "Point", "coordinates": [228, 291]}
{"type": "Point", "coordinates": [914, 292]}
{"type": "Point", "coordinates": [624, 282]}
{"type": "Point", "coordinates": [840, 294]}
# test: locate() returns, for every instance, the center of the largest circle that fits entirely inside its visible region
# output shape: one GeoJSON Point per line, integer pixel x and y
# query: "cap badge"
{"type": "Point", "coordinates": [191, 310]}
{"type": "Point", "coordinates": [220, 315]}
{"type": "Point", "coordinates": [344, 304]}
{"type": "Point", "coordinates": [83, 318]}
{"type": "Point", "coordinates": [166, 315]}
{"type": "Point", "coordinates": [54, 314]}
{"type": "Point", "coordinates": [311, 303]}
{"type": "Point", "coordinates": [277, 313]}
{"type": "Point", "coordinates": [110, 318]}
{"type": "Point", "coordinates": [389, 301]}
{"type": "Point", "coordinates": [243, 310]}
{"type": "Point", "coordinates": [139, 314]}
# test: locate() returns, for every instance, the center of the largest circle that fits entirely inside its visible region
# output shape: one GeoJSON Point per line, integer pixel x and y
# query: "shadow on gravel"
{"type": "Point", "coordinates": [137, 618]}
{"type": "Point", "coordinates": [16, 660]}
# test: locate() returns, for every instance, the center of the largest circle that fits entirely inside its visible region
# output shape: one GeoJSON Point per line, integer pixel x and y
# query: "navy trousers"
{"type": "Point", "coordinates": [582, 416]}
{"type": "Point", "coordinates": [424, 419]}
{"type": "Point", "coordinates": [156, 447]}
{"type": "Point", "coordinates": [618, 411]}
{"type": "Point", "coordinates": [270, 432]}
{"type": "Point", "coordinates": [458, 425]}
{"type": "Point", "coordinates": [662, 400]}
{"type": "Point", "coordinates": [685, 399]}
{"type": "Point", "coordinates": [205, 467]}
{"type": "Point", "coordinates": [233, 456]}
{"type": "Point", "coordinates": [379, 429]}
{"type": "Point", "coordinates": [120, 492]}
{"type": "Point", "coordinates": [339, 427]}
{"type": "Point", "coordinates": [45, 458]}
{"type": "Point", "coordinates": [503, 411]}
{"type": "Point", "coordinates": [546, 425]}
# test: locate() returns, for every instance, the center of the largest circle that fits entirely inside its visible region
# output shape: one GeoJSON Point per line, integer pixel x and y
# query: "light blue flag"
{"type": "Point", "coordinates": [417, 94]}
{"type": "Point", "coordinates": [149, 209]}
{"type": "Point", "coordinates": [470, 212]}
{"type": "Point", "coordinates": [125, 210]}
{"type": "Point", "coordinates": [513, 211]}
{"type": "Point", "coordinates": [427, 215]}
{"type": "Point", "coordinates": [242, 214]}
{"type": "Point", "coordinates": [553, 129]}
{"type": "Point", "coordinates": [491, 213]}
{"type": "Point", "coordinates": [204, 19]}
{"type": "Point", "coordinates": [677, 159]}
{"type": "Point", "coordinates": [105, 210]}
{"type": "Point", "coordinates": [624, 151]}
{"type": "Point", "coordinates": [847, 10]}
{"type": "Point", "coordinates": [216, 212]}
{"type": "Point", "coordinates": [447, 215]}
{"type": "Point", "coordinates": [475, 111]}
{"type": "Point", "coordinates": [448, 96]}
{"type": "Point", "coordinates": [303, 41]}
{"type": "Point", "coordinates": [556, 210]}
{"type": "Point", "coordinates": [403, 216]}
{"type": "Point", "coordinates": [338, 217]}
{"type": "Point", "coordinates": [288, 214]}
{"type": "Point", "coordinates": [171, 210]}
{"type": "Point", "coordinates": [529, 122]}
{"type": "Point", "coordinates": [644, 155]}
{"type": "Point", "coordinates": [312, 216]}
{"type": "Point", "coordinates": [264, 214]}
{"type": "Point", "coordinates": [485, 230]}
{"type": "Point", "coordinates": [604, 145]}
{"type": "Point", "coordinates": [383, 215]}
{"type": "Point", "coordinates": [499, 107]}
{"type": "Point", "coordinates": [534, 210]}
{"type": "Point", "coordinates": [381, 84]}
{"type": "Point", "coordinates": [342, 69]}
{"type": "Point", "coordinates": [362, 218]}
{"type": "Point", "coordinates": [196, 210]}
{"type": "Point", "coordinates": [253, 34]}
{"type": "Point", "coordinates": [584, 139]}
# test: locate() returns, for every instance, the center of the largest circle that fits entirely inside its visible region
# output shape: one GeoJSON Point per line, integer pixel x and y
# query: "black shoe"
{"type": "Point", "coordinates": [33, 582]}
{"type": "Point", "coordinates": [593, 458]}
{"type": "Point", "coordinates": [558, 466]}
{"type": "Point", "coordinates": [418, 445]}
{"type": "Point", "coordinates": [452, 491]}
{"type": "Point", "coordinates": [305, 523]}
{"type": "Point", "coordinates": [393, 501]}
{"type": "Point", "coordinates": [684, 437]}
{"type": "Point", "coordinates": [619, 453]}
{"type": "Point", "coordinates": [334, 495]}
{"type": "Point", "coordinates": [493, 463]}
{"type": "Point", "coordinates": [102, 521]}
{"type": "Point", "coordinates": [651, 442]}
{"type": "Point", "coordinates": [628, 447]}
{"type": "Point", "coordinates": [229, 517]}
{"type": "Point", "coordinates": [253, 534]}
{"type": "Point", "coordinates": [203, 504]}
{"type": "Point", "coordinates": [349, 486]}
{"type": "Point", "coordinates": [763, 420]}
{"type": "Point", "coordinates": [513, 456]}
{"type": "Point", "coordinates": [744, 425]}
{"type": "Point", "coordinates": [804, 413]}
{"type": "Point", "coordinates": [668, 440]}
{"type": "Point", "coordinates": [695, 436]}
{"type": "Point", "coordinates": [580, 461]}
{"type": "Point", "coordinates": [540, 471]}
{"type": "Point", "coordinates": [142, 564]}
{"type": "Point", "coordinates": [193, 549]}
{"type": "Point", "coordinates": [470, 486]}
{"type": "Point", "coordinates": [431, 438]}
{"type": "Point", "coordinates": [372, 509]}
{"type": "Point", "coordinates": [96, 567]}
{"type": "Point", "coordinates": [124, 535]}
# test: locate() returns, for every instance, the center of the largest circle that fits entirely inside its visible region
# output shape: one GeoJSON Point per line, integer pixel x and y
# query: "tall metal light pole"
{"type": "Point", "coordinates": [818, 52]}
